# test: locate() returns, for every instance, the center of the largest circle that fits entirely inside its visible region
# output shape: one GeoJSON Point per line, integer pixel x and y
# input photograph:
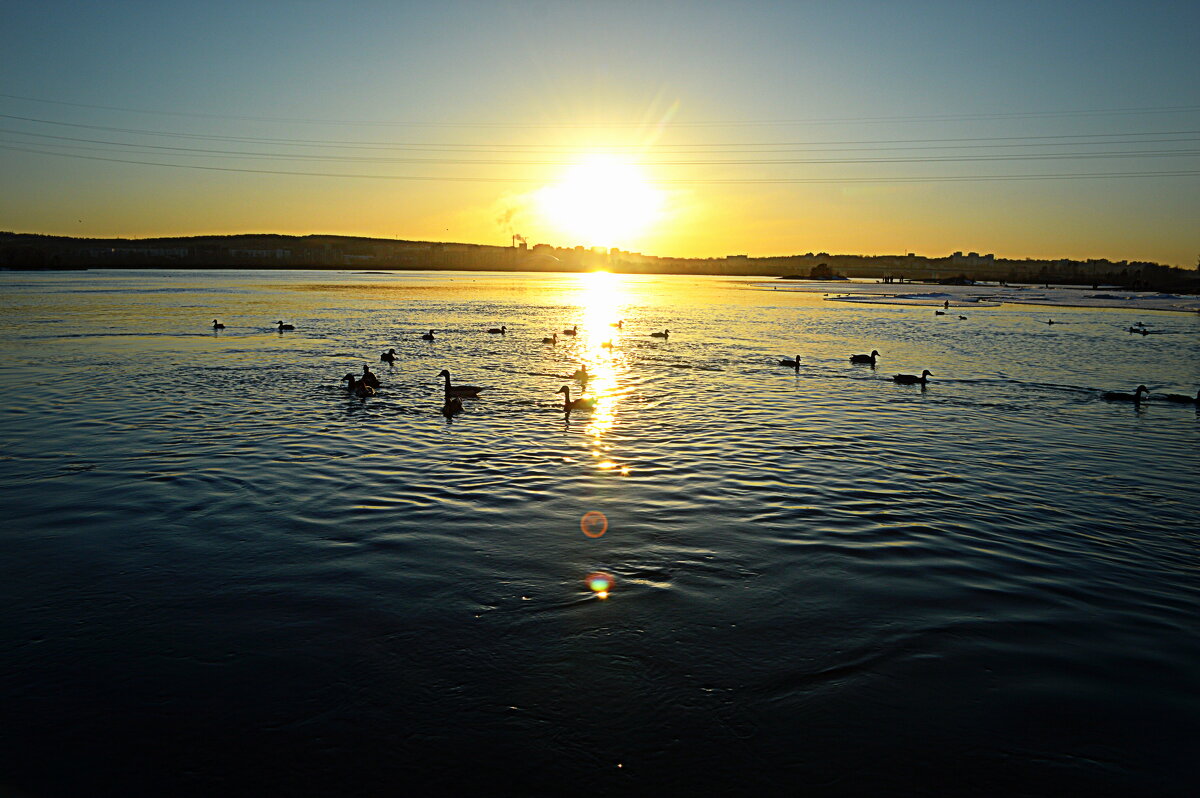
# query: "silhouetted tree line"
{"type": "Point", "coordinates": [33, 251]}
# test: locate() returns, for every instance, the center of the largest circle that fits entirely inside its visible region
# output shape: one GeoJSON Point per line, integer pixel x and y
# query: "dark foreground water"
{"type": "Point", "coordinates": [221, 575]}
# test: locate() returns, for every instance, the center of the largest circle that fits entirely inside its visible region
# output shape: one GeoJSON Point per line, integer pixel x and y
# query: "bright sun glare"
{"type": "Point", "coordinates": [602, 202]}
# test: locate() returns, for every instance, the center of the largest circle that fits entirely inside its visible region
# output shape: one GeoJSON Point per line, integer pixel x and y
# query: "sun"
{"type": "Point", "coordinates": [601, 202]}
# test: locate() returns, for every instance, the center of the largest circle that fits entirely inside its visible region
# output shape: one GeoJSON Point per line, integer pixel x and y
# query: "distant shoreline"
{"type": "Point", "coordinates": [33, 252]}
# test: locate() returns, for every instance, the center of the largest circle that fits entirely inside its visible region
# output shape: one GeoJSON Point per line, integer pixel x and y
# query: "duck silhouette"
{"type": "Point", "coordinates": [427, 336]}
{"type": "Point", "coordinates": [578, 404]}
{"type": "Point", "coordinates": [217, 325]}
{"type": "Point", "coordinates": [1135, 397]}
{"type": "Point", "coordinates": [1183, 398]}
{"type": "Point", "coordinates": [369, 377]}
{"type": "Point", "coordinates": [501, 330]}
{"type": "Point", "coordinates": [388, 357]}
{"type": "Point", "coordinates": [792, 364]}
{"type": "Point", "coordinates": [865, 358]}
{"type": "Point", "coordinates": [664, 334]}
{"type": "Point", "coordinates": [283, 326]}
{"type": "Point", "coordinates": [358, 387]}
{"type": "Point", "coordinates": [913, 379]}
{"type": "Point", "coordinates": [466, 391]}
{"type": "Point", "coordinates": [553, 339]}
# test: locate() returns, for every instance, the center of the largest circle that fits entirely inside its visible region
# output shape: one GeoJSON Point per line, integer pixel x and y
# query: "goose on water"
{"type": "Point", "coordinates": [358, 387]}
{"type": "Point", "coordinates": [1183, 398]}
{"type": "Point", "coordinates": [388, 357]}
{"type": "Point", "coordinates": [792, 364]}
{"type": "Point", "coordinates": [1135, 397]}
{"type": "Point", "coordinates": [468, 391]}
{"type": "Point", "coordinates": [369, 377]}
{"type": "Point", "coordinates": [501, 330]}
{"type": "Point", "coordinates": [217, 325]}
{"type": "Point", "coordinates": [427, 336]}
{"type": "Point", "coordinates": [553, 339]}
{"type": "Point", "coordinates": [578, 404]}
{"type": "Point", "coordinates": [664, 334]}
{"type": "Point", "coordinates": [573, 331]}
{"type": "Point", "coordinates": [913, 379]}
{"type": "Point", "coordinates": [865, 358]}
{"type": "Point", "coordinates": [453, 406]}
{"type": "Point", "coordinates": [283, 326]}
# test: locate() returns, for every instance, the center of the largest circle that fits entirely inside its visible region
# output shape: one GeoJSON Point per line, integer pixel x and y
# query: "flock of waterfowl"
{"type": "Point", "coordinates": [366, 384]}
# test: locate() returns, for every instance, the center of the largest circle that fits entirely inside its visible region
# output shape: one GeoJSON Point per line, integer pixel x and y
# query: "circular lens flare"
{"type": "Point", "coordinates": [600, 583]}
{"type": "Point", "coordinates": [593, 524]}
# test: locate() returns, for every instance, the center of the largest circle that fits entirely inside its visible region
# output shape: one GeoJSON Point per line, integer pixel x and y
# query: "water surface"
{"type": "Point", "coordinates": [224, 575]}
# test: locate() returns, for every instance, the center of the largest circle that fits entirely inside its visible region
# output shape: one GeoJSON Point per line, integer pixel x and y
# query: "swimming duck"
{"type": "Point", "coordinates": [427, 336]}
{"type": "Point", "coordinates": [664, 334]}
{"type": "Point", "coordinates": [962, 318]}
{"type": "Point", "coordinates": [369, 377]}
{"type": "Point", "coordinates": [453, 406]}
{"type": "Point", "coordinates": [912, 379]}
{"type": "Point", "coordinates": [388, 357]}
{"type": "Point", "coordinates": [553, 339]}
{"type": "Point", "coordinates": [1135, 397]}
{"type": "Point", "coordinates": [283, 326]}
{"type": "Point", "coordinates": [578, 404]}
{"type": "Point", "coordinates": [618, 324]}
{"type": "Point", "coordinates": [581, 373]}
{"type": "Point", "coordinates": [573, 331]}
{"type": "Point", "coordinates": [1184, 398]}
{"type": "Point", "coordinates": [217, 325]}
{"type": "Point", "coordinates": [865, 358]}
{"type": "Point", "coordinates": [792, 364]}
{"type": "Point", "coordinates": [1050, 321]}
{"type": "Point", "coordinates": [358, 387]}
{"type": "Point", "coordinates": [469, 391]}
{"type": "Point", "coordinates": [939, 313]}
{"type": "Point", "coordinates": [607, 345]}
{"type": "Point", "coordinates": [501, 330]}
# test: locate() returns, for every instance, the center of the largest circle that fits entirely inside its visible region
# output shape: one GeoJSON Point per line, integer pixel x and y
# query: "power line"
{"type": "Point", "coordinates": [677, 181]}
{"type": "Point", "coordinates": [935, 143]}
{"type": "Point", "coordinates": [639, 125]}
{"type": "Point", "coordinates": [192, 151]}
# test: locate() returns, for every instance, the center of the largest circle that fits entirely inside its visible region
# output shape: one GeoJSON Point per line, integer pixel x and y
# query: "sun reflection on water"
{"type": "Point", "coordinates": [603, 305]}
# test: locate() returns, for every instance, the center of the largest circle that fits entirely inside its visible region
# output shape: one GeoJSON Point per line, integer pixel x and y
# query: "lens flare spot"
{"type": "Point", "coordinates": [593, 523]}
{"type": "Point", "coordinates": [600, 583]}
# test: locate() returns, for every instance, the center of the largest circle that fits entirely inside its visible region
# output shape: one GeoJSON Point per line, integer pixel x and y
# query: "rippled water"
{"type": "Point", "coordinates": [224, 575]}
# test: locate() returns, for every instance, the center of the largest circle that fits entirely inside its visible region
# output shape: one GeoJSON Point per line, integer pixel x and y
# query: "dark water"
{"type": "Point", "coordinates": [221, 575]}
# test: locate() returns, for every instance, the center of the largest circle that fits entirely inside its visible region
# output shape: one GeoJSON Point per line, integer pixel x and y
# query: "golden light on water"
{"type": "Point", "coordinates": [603, 202]}
{"type": "Point", "coordinates": [604, 304]}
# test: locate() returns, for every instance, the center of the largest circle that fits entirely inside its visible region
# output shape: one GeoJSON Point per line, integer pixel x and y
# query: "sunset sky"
{"type": "Point", "coordinates": [1026, 129]}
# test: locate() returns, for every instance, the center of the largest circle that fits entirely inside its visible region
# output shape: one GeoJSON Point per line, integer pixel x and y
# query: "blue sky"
{"type": "Point", "coordinates": [543, 76]}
